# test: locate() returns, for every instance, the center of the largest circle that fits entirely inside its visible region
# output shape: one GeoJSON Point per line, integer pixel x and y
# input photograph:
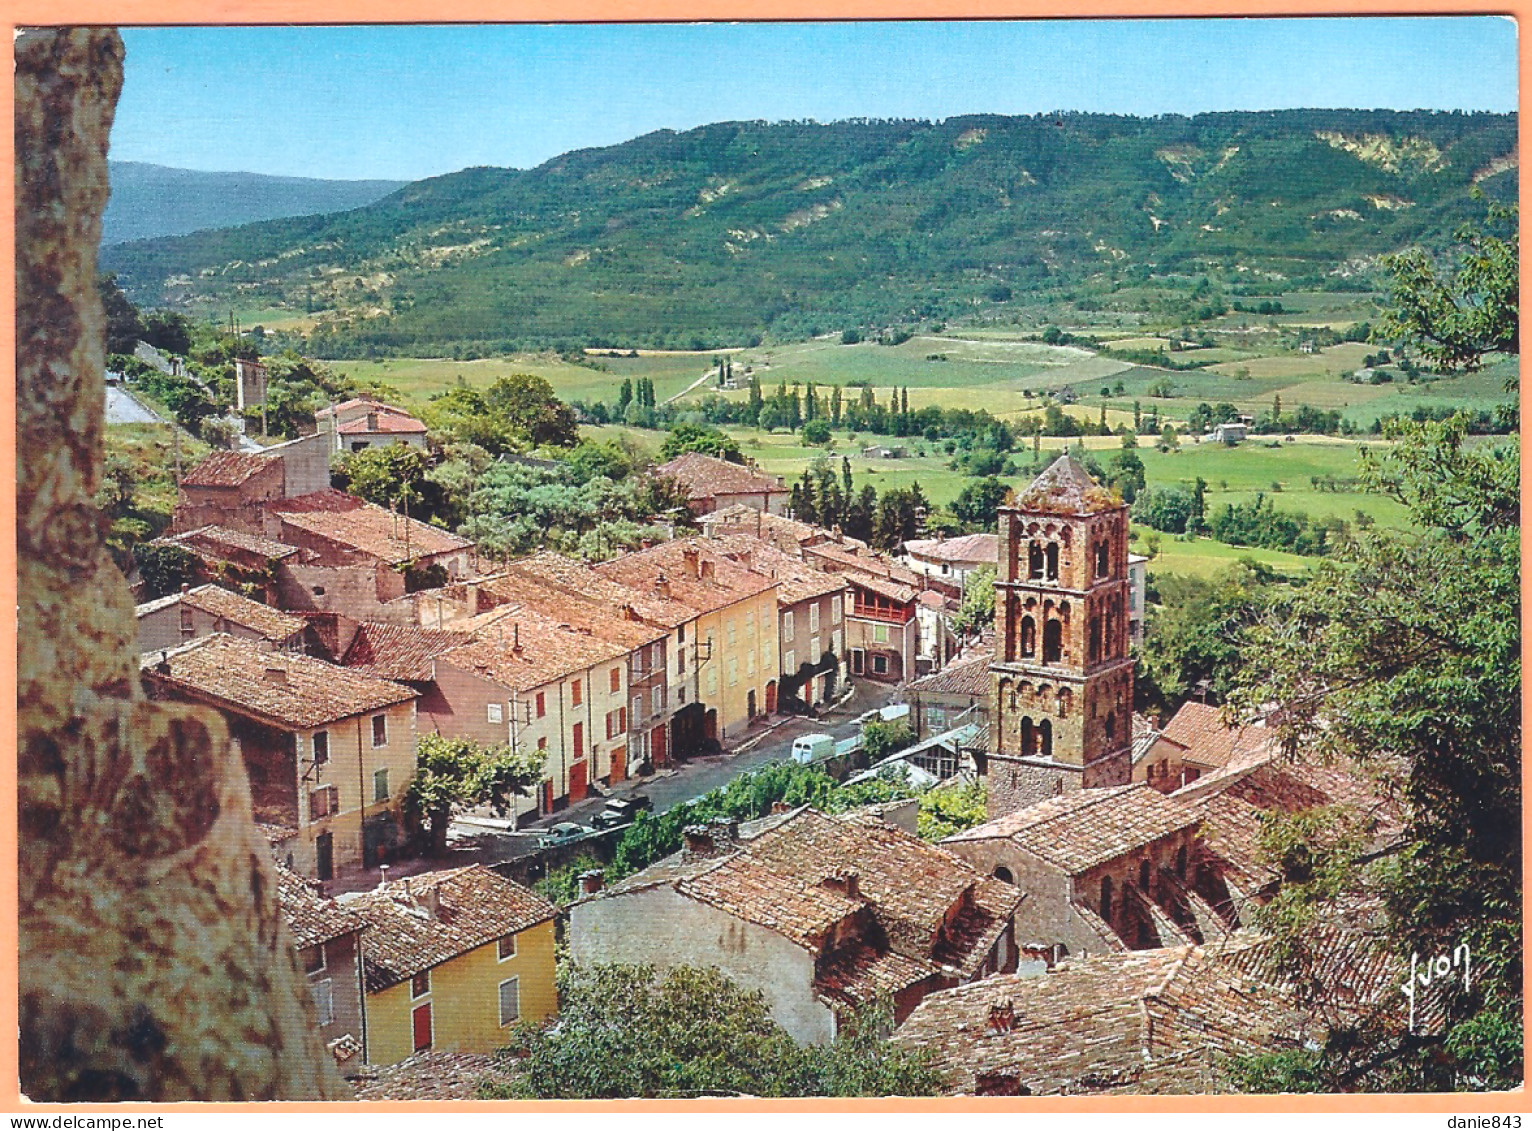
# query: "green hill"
{"type": "Point", "coordinates": [148, 201]}
{"type": "Point", "coordinates": [728, 232]}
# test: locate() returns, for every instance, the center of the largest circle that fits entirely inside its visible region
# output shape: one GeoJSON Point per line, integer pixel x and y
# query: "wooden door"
{"type": "Point", "coordinates": [324, 851]}
{"type": "Point", "coordinates": [577, 783]}
{"type": "Point", "coordinates": [771, 698]}
{"type": "Point", "coordinates": [658, 748]}
{"type": "Point", "coordinates": [421, 1023]}
{"type": "Point", "coordinates": [619, 764]}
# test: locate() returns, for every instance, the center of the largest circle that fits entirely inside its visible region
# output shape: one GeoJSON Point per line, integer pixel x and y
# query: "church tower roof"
{"type": "Point", "coordinates": [1066, 488]}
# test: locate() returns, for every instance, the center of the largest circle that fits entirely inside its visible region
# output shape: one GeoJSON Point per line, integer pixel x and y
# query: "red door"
{"type": "Point", "coordinates": [577, 783]}
{"type": "Point", "coordinates": [658, 749]}
{"type": "Point", "coordinates": [422, 1025]}
{"type": "Point", "coordinates": [771, 698]}
{"type": "Point", "coordinates": [619, 764]}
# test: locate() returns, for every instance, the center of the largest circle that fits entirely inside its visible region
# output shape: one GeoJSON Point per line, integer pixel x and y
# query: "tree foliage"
{"type": "Point", "coordinates": [457, 773]}
{"type": "Point", "coordinates": [1455, 313]}
{"type": "Point", "coordinates": [1406, 648]}
{"type": "Point", "coordinates": [977, 610]}
{"type": "Point", "coordinates": [700, 438]}
{"type": "Point", "coordinates": [688, 1032]}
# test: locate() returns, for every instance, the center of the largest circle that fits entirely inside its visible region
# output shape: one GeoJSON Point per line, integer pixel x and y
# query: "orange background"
{"type": "Point", "coordinates": [122, 12]}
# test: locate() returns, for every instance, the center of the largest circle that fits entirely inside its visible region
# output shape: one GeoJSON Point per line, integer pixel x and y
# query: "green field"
{"type": "Point", "coordinates": [1203, 557]}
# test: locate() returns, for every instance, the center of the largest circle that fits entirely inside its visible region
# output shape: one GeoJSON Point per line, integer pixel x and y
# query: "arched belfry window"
{"type": "Point", "coordinates": [1034, 560]}
{"type": "Point", "coordinates": [1026, 736]}
{"type": "Point", "coordinates": [1045, 739]}
{"type": "Point", "coordinates": [1053, 561]}
{"type": "Point", "coordinates": [1053, 642]}
{"type": "Point", "coordinates": [1103, 562]}
{"type": "Point", "coordinates": [1028, 636]}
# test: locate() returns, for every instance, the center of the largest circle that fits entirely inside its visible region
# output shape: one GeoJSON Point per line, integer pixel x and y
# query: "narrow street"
{"type": "Point", "coordinates": [481, 838]}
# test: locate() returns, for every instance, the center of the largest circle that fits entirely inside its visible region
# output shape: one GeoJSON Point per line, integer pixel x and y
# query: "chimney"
{"type": "Point", "coordinates": [725, 831]}
{"type": "Point", "coordinates": [699, 842]}
{"type": "Point", "coordinates": [591, 882]}
{"type": "Point", "coordinates": [372, 422]}
{"type": "Point", "coordinates": [185, 588]}
{"type": "Point", "coordinates": [706, 571]}
{"type": "Point", "coordinates": [1002, 1016]}
{"type": "Point", "coordinates": [662, 585]}
{"type": "Point", "coordinates": [275, 676]}
{"type": "Point", "coordinates": [690, 556]}
{"type": "Point", "coordinates": [845, 882]}
{"type": "Point", "coordinates": [746, 558]}
{"type": "Point", "coordinates": [780, 807]}
{"type": "Point", "coordinates": [382, 876]}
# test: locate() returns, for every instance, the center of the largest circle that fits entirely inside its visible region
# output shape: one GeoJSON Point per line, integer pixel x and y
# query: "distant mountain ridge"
{"type": "Point", "coordinates": [149, 201]}
{"type": "Point", "coordinates": [738, 229]}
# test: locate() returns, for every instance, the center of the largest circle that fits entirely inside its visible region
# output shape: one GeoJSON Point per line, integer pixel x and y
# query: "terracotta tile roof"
{"type": "Point", "coordinates": [1231, 831]}
{"type": "Point", "coordinates": [681, 565]}
{"type": "Point", "coordinates": [520, 648]}
{"type": "Point", "coordinates": [378, 533]}
{"type": "Point", "coordinates": [863, 562]}
{"type": "Point", "coordinates": [233, 673]}
{"type": "Point", "coordinates": [1066, 488]}
{"type": "Point", "coordinates": [1157, 1021]}
{"type": "Point", "coordinates": [968, 675]}
{"type": "Point", "coordinates": [861, 973]}
{"type": "Point", "coordinates": [578, 578]}
{"type": "Point", "coordinates": [387, 423]}
{"type": "Point", "coordinates": [1210, 743]}
{"type": "Point", "coordinates": [982, 548]}
{"type": "Point", "coordinates": [795, 906]}
{"type": "Point", "coordinates": [397, 652]}
{"type": "Point", "coordinates": [225, 469]}
{"type": "Point", "coordinates": [327, 499]}
{"type": "Point", "coordinates": [787, 534]}
{"type": "Point", "coordinates": [472, 906]}
{"type": "Point", "coordinates": [311, 917]}
{"type": "Point", "coordinates": [791, 878]}
{"type": "Point", "coordinates": [221, 538]}
{"type": "Point", "coordinates": [799, 581]}
{"type": "Point", "coordinates": [1076, 831]}
{"type": "Point", "coordinates": [707, 477]}
{"type": "Point", "coordinates": [228, 606]}
{"type": "Point", "coordinates": [362, 403]}
{"type": "Point", "coordinates": [431, 1075]}
{"type": "Point", "coordinates": [625, 627]}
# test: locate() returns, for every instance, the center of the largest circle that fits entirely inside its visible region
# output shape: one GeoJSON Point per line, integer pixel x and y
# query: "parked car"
{"type": "Point", "coordinates": [563, 833]}
{"type": "Point", "coordinates": [809, 747]}
{"type": "Point", "coordinates": [621, 811]}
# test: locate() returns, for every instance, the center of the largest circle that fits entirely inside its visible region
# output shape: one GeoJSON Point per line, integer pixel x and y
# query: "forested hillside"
{"type": "Point", "coordinates": [729, 232]}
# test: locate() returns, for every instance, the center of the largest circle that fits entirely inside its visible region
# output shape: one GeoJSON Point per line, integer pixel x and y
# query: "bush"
{"type": "Point", "coordinates": [816, 433]}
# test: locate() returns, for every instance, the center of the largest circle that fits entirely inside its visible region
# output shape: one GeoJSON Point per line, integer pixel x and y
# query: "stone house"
{"type": "Point", "coordinates": [729, 666]}
{"type": "Point", "coordinates": [327, 938]}
{"type": "Point", "coordinates": [330, 752]}
{"type": "Point", "coordinates": [820, 914]}
{"type": "Point", "coordinates": [227, 489]}
{"type": "Point", "coordinates": [182, 617]}
{"type": "Point", "coordinates": [361, 423]}
{"type": "Point", "coordinates": [961, 689]}
{"type": "Point", "coordinates": [1104, 869]}
{"type": "Point", "coordinates": [647, 676]}
{"type": "Point", "coordinates": [451, 961]}
{"type": "Point", "coordinates": [713, 484]}
{"type": "Point", "coordinates": [537, 684]}
{"type": "Point", "coordinates": [787, 534]}
{"type": "Point", "coordinates": [882, 632]}
{"type": "Point", "coordinates": [811, 625]}
{"type": "Point", "coordinates": [237, 557]}
{"type": "Point", "coordinates": [1156, 1022]}
{"type": "Point", "coordinates": [951, 560]}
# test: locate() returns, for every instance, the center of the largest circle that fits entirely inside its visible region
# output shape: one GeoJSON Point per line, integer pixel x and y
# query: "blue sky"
{"type": "Point", "coordinates": [410, 102]}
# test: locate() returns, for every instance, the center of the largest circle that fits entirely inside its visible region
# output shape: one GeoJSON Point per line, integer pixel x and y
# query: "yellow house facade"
{"type": "Point", "coordinates": [724, 655]}
{"type": "Point", "coordinates": [452, 961]}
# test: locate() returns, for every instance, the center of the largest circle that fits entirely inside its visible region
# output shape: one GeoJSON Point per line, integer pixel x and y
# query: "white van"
{"type": "Point", "coordinates": [809, 747]}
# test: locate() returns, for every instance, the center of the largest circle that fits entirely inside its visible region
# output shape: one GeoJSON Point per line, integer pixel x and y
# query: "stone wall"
{"type": "Point", "coordinates": [154, 963]}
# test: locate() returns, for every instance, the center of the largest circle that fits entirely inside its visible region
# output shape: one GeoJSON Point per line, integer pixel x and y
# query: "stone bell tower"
{"type": "Point", "coordinates": [1062, 679]}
